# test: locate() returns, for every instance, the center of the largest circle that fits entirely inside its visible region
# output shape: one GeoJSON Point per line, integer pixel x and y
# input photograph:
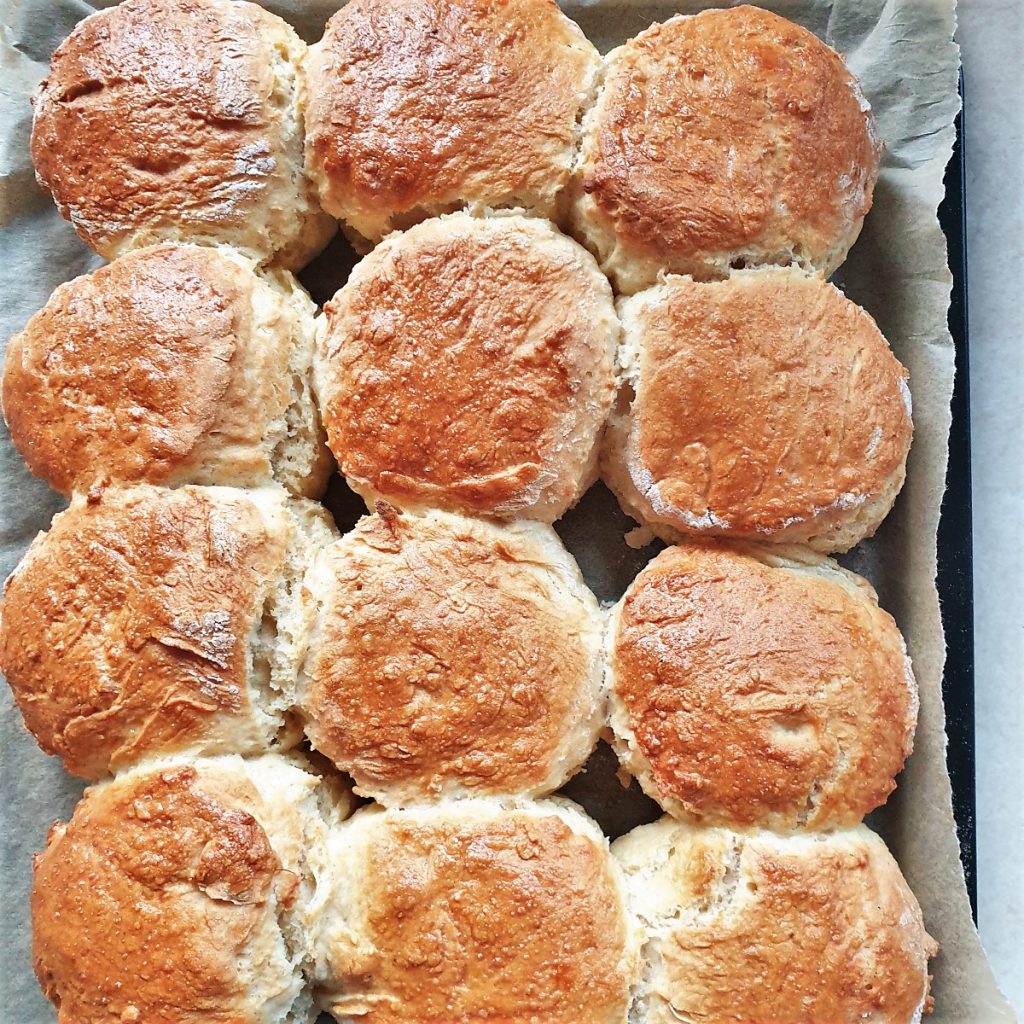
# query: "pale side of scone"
{"type": "Point", "coordinates": [452, 657]}
{"type": "Point", "coordinates": [759, 686]}
{"type": "Point", "coordinates": [152, 621]}
{"type": "Point", "coordinates": [428, 106]}
{"type": "Point", "coordinates": [467, 364]}
{"type": "Point", "coordinates": [767, 407]}
{"type": "Point", "coordinates": [757, 926]}
{"type": "Point", "coordinates": [178, 120]}
{"type": "Point", "coordinates": [174, 364]}
{"type": "Point", "coordinates": [186, 891]}
{"type": "Point", "coordinates": [475, 910]}
{"type": "Point", "coordinates": [726, 139]}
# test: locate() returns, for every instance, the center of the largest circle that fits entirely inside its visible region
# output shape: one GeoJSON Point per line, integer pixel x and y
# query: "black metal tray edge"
{"type": "Point", "coordinates": [955, 555]}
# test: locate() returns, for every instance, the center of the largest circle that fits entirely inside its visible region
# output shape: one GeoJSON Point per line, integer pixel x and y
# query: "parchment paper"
{"type": "Point", "coordinates": [903, 52]}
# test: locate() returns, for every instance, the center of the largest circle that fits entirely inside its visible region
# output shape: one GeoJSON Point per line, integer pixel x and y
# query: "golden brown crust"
{"type": "Point", "coordinates": [452, 656]}
{"type": "Point", "coordinates": [768, 406]}
{"type": "Point", "coordinates": [176, 119]}
{"type": "Point", "coordinates": [760, 927]}
{"type": "Point", "coordinates": [730, 137]}
{"type": "Point", "coordinates": [428, 105]}
{"type": "Point", "coordinates": [170, 365]}
{"type": "Point", "coordinates": [467, 916]}
{"type": "Point", "coordinates": [467, 364]}
{"type": "Point", "coordinates": [125, 629]}
{"type": "Point", "coordinates": [147, 906]}
{"type": "Point", "coordinates": [753, 690]}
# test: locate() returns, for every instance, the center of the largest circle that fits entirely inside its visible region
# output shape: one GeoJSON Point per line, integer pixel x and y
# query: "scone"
{"type": "Point", "coordinates": [475, 910]}
{"type": "Point", "coordinates": [756, 926]}
{"type": "Point", "coordinates": [177, 120]}
{"type": "Point", "coordinates": [427, 106]}
{"type": "Point", "coordinates": [759, 686]}
{"type": "Point", "coordinates": [186, 891]}
{"type": "Point", "coordinates": [767, 407]}
{"type": "Point", "coordinates": [467, 365]}
{"type": "Point", "coordinates": [452, 657]}
{"type": "Point", "coordinates": [155, 621]}
{"type": "Point", "coordinates": [725, 139]}
{"type": "Point", "coordinates": [175, 364]}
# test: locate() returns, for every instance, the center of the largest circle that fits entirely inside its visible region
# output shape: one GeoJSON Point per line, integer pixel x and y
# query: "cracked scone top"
{"type": "Point", "coordinates": [427, 106]}
{"type": "Point", "coordinates": [185, 892]}
{"type": "Point", "coordinates": [467, 365]}
{"type": "Point", "coordinates": [726, 139]}
{"type": "Point", "coordinates": [476, 910]}
{"type": "Point", "coordinates": [767, 407]}
{"type": "Point", "coordinates": [153, 621]}
{"type": "Point", "coordinates": [178, 120]}
{"type": "Point", "coordinates": [759, 686]}
{"type": "Point", "coordinates": [173, 364]}
{"type": "Point", "coordinates": [452, 657]}
{"type": "Point", "coordinates": [755, 926]}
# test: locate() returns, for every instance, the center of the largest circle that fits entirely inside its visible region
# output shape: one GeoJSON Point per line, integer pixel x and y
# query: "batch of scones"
{"type": "Point", "coordinates": [576, 266]}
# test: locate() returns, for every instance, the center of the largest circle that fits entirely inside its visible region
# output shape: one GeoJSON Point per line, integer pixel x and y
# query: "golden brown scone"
{"type": "Point", "coordinates": [467, 364]}
{"type": "Point", "coordinates": [731, 138]}
{"type": "Point", "coordinates": [153, 621]}
{"type": "Point", "coordinates": [476, 910]}
{"type": "Point", "coordinates": [420, 107]}
{"type": "Point", "coordinates": [174, 364]}
{"type": "Point", "coordinates": [759, 686]}
{"type": "Point", "coordinates": [779, 929]}
{"type": "Point", "coordinates": [185, 893]}
{"type": "Point", "coordinates": [452, 657]}
{"type": "Point", "coordinates": [766, 407]}
{"type": "Point", "coordinates": [178, 120]}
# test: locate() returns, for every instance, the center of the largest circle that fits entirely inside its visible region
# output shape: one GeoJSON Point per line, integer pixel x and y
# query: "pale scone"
{"type": "Point", "coordinates": [452, 657]}
{"type": "Point", "coordinates": [757, 926]}
{"type": "Point", "coordinates": [767, 407]}
{"type": "Point", "coordinates": [175, 364]}
{"type": "Point", "coordinates": [467, 365]}
{"type": "Point", "coordinates": [424, 107]}
{"type": "Point", "coordinates": [187, 890]}
{"type": "Point", "coordinates": [759, 686]}
{"type": "Point", "coordinates": [177, 120]}
{"type": "Point", "coordinates": [155, 621]}
{"type": "Point", "coordinates": [725, 139]}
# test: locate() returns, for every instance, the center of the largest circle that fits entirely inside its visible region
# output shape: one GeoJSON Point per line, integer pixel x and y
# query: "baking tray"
{"type": "Point", "coordinates": [955, 558]}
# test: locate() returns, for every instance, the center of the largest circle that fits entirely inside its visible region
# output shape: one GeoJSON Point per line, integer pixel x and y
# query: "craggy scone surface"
{"type": "Point", "coordinates": [752, 689]}
{"type": "Point", "coordinates": [729, 137]}
{"type": "Point", "coordinates": [452, 656]}
{"type": "Point", "coordinates": [419, 107]}
{"type": "Point", "coordinates": [767, 405]}
{"type": "Point", "coordinates": [125, 629]}
{"type": "Point", "coordinates": [514, 918]}
{"type": "Point", "coordinates": [467, 364]}
{"type": "Point", "coordinates": [151, 904]}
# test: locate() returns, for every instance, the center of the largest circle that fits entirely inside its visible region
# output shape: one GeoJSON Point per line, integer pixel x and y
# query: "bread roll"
{"type": "Point", "coordinates": [427, 106]}
{"type": "Point", "coordinates": [178, 120]}
{"type": "Point", "coordinates": [174, 364]}
{"type": "Point", "coordinates": [731, 138]}
{"type": "Point", "coordinates": [452, 657]}
{"type": "Point", "coordinates": [476, 910]}
{"type": "Point", "coordinates": [766, 407]}
{"type": "Point", "coordinates": [467, 365]}
{"type": "Point", "coordinates": [155, 621]}
{"type": "Point", "coordinates": [185, 891]}
{"type": "Point", "coordinates": [759, 687]}
{"type": "Point", "coordinates": [791, 929]}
